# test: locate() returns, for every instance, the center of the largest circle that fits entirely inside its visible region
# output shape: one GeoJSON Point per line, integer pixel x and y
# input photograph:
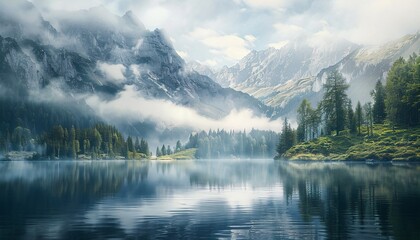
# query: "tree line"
{"type": "Point", "coordinates": [221, 143]}
{"type": "Point", "coordinates": [396, 103]}
{"type": "Point", "coordinates": [167, 150]}
{"type": "Point", "coordinates": [62, 132]}
{"type": "Point", "coordinates": [21, 118]}
{"type": "Point", "coordinates": [97, 142]}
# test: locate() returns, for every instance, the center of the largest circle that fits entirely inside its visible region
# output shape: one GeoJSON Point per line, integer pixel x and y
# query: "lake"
{"type": "Point", "coordinates": [208, 199]}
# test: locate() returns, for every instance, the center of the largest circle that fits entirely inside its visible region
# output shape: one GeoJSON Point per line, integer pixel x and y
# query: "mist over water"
{"type": "Point", "coordinates": [211, 199]}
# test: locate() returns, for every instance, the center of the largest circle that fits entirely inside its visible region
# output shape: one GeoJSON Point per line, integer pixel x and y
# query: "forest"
{"type": "Point", "coordinates": [62, 132]}
{"type": "Point", "coordinates": [224, 144]}
{"type": "Point", "coordinates": [98, 142]}
{"type": "Point", "coordinates": [397, 105]}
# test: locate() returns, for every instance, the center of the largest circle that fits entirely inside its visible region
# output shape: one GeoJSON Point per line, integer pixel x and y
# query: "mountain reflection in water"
{"type": "Point", "coordinates": [211, 199]}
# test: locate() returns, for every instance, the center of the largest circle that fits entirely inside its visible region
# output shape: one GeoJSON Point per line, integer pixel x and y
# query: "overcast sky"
{"type": "Point", "coordinates": [220, 32]}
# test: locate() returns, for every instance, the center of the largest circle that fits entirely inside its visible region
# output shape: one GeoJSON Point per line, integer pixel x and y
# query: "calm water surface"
{"type": "Point", "coordinates": [212, 199]}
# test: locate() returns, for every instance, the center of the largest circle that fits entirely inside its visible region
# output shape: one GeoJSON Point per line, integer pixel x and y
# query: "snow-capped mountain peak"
{"type": "Point", "coordinates": [283, 77]}
{"type": "Point", "coordinates": [101, 53]}
{"type": "Point", "coordinates": [296, 60]}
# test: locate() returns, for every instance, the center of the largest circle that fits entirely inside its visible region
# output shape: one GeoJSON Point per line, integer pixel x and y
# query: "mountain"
{"type": "Point", "coordinates": [84, 67]}
{"type": "Point", "coordinates": [195, 66]}
{"type": "Point", "coordinates": [96, 52]}
{"type": "Point", "coordinates": [362, 68]}
{"type": "Point", "coordinates": [28, 65]}
{"type": "Point", "coordinates": [21, 20]}
{"type": "Point", "coordinates": [281, 78]}
{"type": "Point", "coordinates": [271, 67]}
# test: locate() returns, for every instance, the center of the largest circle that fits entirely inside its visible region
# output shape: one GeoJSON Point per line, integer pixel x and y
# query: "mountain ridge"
{"type": "Point", "coordinates": [66, 61]}
{"type": "Point", "coordinates": [361, 65]}
{"type": "Point", "coordinates": [96, 51]}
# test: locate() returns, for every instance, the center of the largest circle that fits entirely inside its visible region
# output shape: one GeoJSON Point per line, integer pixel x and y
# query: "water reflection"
{"type": "Point", "coordinates": [208, 199]}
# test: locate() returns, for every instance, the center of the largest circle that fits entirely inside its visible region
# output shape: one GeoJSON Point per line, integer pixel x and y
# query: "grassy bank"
{"type": "Point", "coordinates": [385, 144]}
{"type": "Point", "coordinates": [181, 155]}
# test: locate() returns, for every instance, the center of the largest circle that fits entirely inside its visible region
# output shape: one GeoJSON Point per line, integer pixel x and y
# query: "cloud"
{"type": "Point", "coordinates": [129, 105]}
{"type": "Point", "coordinates": [156, 16]}
{"type": "Point", "coordinates": [228, 45]}
{"type": "Point", "coordinates": [68, 5]}
{"type": "Point", "coordinates": [321, 38]}
{"type": "Point", "coordinates": [265, 4]}
{"type": "Point", "coordinates": [290, 30]}
{"type": "Point", "coordinates": [135, 69]}
{"type": "Point", "coordinates": [269, 21]}
{"type": "Point", "coordinates": [113, 72]}
{"type": "Point", "coordinates": [182, 54]}
{"type": "Point", "coordinates": [278, 45]}
{"type": "Point", "coordinates": [201, 33]}
{"type": "Point", "coordinates": [250, 38]}
{"type": "Point", "coordinates": [29, 20]}
{"type": "Point", "coordinates": [210, 62]}
{"type": "Point", "coordinates": [56, 92]}
{"type": "Point", "coordinates": [373, 22]}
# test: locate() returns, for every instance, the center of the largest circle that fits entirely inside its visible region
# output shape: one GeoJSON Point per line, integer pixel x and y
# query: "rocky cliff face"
{"type": "Point", "coordinates": [27, 65]}
{"type": "Point", "coordinates": [96, 52]}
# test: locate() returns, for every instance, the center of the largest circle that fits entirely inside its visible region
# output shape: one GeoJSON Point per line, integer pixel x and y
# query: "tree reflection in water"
{"type": "Point", "coordinates": [347, 197]}
{"type": "Point", "coordinates": [213, 199]}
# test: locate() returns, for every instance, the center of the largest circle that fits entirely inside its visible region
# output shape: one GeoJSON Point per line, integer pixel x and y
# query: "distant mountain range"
{"type": "Point", "coordinates": [77, 55]}
{"type": "Point", "coordinates": [281, 78]}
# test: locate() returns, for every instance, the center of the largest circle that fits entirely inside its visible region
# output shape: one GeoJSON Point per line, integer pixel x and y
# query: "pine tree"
{"type": "Point", "coordinates": [163, 150]}
{"type": "Point", "coordinates": [144, 147]}
{"type": "Point", "coordinates": [300, 133]}
{"type": "Point", "coordinates": [359, 117]}
{"type": "Point", "coordinates": [158, 152]}
{"type": "Point", "coordinates": [137, 145]}
{"type": "Point", "coordinates": [178, 146]}
{"type": "Point", "coordinates": [402, 92]}
{"type": "Point", "coordinates": [73, 153]}
{"type": "Point", "coordinates": [57, 139]}
{"type": "Point", "coordinates": [351, 119]}
{"type": "Point", "coordinates": [134, 153]}
{"type": "Point", "coordinates": [130, 144]}
{"type": "Point", "coordinates": [303, 115]}
{"type": "Point", "coordinates": [369, 118]}
{"type": "Point", "coordinates": [287, 138]}
{"type": "Point", "coordinates": [378, 95]}
{"type": "Point", "coordinates": [204, 149]}
{"type": "Point", "coordinates": [125, 151]}
{"type": "Point", "coordinates": [86, 146]}
{"type": "Point", "coordinates": [109, 144]}
{"type": "Point", "coordinates": [334, 100]}
{"type": "Point", "coordinates": [97, 140]}
{"type": "Point", "coordinates": [314, 121]}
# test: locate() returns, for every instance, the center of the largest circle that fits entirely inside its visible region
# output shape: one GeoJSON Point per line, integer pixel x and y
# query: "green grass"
{"type": "Point", "coordinates": [138, 156]}
{"type": "Point", "coordinates": [181, 155]}
{"type": "Point", "coordinates": [385, 144]}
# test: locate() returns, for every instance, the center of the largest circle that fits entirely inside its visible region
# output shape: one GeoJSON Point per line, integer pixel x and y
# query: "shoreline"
{"type": "Point", "coordinates": [385, 145]}
{"type": "Point", "coordinates": [367, 161]}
